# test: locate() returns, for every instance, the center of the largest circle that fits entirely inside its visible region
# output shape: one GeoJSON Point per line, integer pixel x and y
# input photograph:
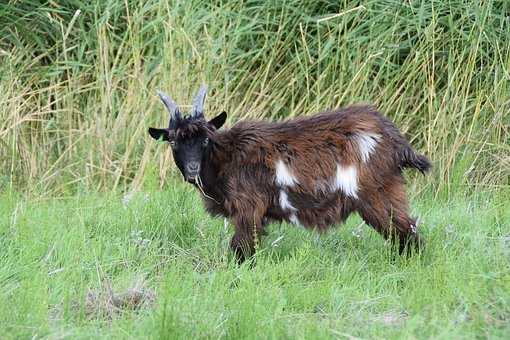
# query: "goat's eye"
{"type": "Point", "coordinates": [172, 143]}
{"type": "Point", "coordinates": [206, 141]}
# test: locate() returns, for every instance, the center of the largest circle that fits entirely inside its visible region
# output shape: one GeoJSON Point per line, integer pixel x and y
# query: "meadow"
{"type": "Point", "coordinates": [99, 237]}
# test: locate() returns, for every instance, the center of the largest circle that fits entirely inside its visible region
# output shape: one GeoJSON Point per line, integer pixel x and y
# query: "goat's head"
{"type": "Point", "coordinates": [189, 136]}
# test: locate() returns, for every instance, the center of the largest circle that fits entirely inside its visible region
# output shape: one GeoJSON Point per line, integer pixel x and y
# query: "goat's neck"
{"type": "Point", "coordinates": [212, 179]}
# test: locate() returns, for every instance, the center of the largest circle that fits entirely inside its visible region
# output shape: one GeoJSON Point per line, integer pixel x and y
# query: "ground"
{"type": "Point", "coordinates": [65, 262]}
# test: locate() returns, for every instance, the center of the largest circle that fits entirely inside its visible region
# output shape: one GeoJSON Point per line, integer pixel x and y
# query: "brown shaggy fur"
{"type": "Point", "coordinates": [239, 174]}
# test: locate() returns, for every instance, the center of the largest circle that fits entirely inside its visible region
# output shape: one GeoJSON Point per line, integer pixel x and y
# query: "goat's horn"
{"type": "Point", "coordinates": [171, 107]}
{"type": "Point", "coordinates": [198, 102]}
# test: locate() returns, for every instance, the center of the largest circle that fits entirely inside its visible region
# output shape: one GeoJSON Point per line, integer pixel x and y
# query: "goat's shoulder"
{"type": "Point", "coordinates": [245, 142]}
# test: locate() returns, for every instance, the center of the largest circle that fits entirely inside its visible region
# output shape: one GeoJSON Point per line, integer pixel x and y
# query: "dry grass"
{"type": "Point", "coordinates": [105, 303]}
{"type": "Point", "coordinates": [78, 93]}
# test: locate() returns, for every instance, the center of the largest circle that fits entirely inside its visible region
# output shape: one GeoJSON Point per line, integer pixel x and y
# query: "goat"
{"type": "Point", "coordinates": [310, 171]}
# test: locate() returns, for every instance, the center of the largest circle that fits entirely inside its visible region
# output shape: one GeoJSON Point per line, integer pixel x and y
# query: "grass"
{"type": "Point", "coordinates": [78, 79]}
{"type": "Point", "coordinates": [344, 284]}
{"type": "Point", "coordinates": [93, 218]}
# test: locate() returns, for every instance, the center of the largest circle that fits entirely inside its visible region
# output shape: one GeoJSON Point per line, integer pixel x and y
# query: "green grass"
{"type": "Point", "coordinates": [77, 94]}
{"type": "Point", "coordinates": [341, 284]}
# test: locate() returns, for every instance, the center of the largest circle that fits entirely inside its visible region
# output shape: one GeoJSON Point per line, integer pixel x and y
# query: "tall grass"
{"type": "Point", "coordinates": [78, 79]}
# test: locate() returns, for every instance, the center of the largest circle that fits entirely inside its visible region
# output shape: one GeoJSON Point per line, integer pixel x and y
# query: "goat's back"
{"type": "Point", "coordinates": [313, 148]}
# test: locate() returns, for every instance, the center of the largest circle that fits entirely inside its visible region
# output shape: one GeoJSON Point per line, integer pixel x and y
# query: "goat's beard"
{"type": "Point", "coordinates": [200, 185]}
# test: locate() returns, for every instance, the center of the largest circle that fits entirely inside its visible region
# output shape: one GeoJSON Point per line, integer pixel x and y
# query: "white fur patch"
{"type": "Point", "coordinates": [367, 143]}
{"type": "Point", "coordinates": [293, 218]}
{"type": "Point", "coordinates": [284, 176]}
{"type": "Point", "coordinates": [287, 206]}
{"type": "Point", "coordinates": [413, 228]}
{"type": "Point", "coordinates": [285, 203]}
{"type": "Point", "coordinates": [346, 179]}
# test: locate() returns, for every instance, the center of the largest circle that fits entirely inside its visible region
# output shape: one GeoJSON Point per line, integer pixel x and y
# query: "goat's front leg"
{"type": "Point", "coordinates": [248, 231]}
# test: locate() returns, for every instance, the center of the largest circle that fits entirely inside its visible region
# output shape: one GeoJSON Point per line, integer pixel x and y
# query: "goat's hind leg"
{"type": "Point", "coordinates": [387, 211]}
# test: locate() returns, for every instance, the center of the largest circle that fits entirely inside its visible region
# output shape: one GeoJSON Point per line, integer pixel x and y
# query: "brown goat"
{"type": "Point", "coordinates": [311, 171]}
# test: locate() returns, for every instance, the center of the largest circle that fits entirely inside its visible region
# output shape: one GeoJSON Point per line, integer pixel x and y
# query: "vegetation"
{"type": "Point", "coordinates": [91, 209]}
{"type": "Point", "coordinates": [78, 78]}
{"type": "Point", "coordinates": [344, 284]}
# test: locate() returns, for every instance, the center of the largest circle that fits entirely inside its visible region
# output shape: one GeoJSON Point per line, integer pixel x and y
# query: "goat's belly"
{"type": "Point", "coordinates": [317, 211]}
{"type": "Point", "coordinates": [320, 218]}
{"type": "Point", "coordinates": [316, 219]}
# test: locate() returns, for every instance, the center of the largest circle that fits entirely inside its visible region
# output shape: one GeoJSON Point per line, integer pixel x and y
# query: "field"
{"type": "Point", "coordinates": [344, 284]}
{"type": "Point", "coordinates": [99, 237]}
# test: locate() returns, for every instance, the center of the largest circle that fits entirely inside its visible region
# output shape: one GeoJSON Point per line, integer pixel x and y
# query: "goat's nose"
{"type": "Point", "coordinates": [193, 166]}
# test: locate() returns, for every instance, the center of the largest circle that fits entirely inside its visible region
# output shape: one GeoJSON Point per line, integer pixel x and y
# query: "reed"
{"type": "Point", "coordinates": [78, 80]}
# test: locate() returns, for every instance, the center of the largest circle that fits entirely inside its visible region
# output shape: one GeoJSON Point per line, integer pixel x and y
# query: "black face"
{"type": "Point", "coordinates": [190, 143]}
{"type": "Point", "coordinates": [189, 154]}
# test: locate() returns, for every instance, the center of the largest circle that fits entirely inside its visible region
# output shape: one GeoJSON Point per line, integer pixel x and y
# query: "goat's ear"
{"type": "Point", "coordinates": [219, 120]}
{"type": "Point", "coordinates": [158, 134]}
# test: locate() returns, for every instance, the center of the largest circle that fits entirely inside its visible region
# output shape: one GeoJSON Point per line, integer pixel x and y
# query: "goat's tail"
{"type": "Point", "coordinates": [408, 158]}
